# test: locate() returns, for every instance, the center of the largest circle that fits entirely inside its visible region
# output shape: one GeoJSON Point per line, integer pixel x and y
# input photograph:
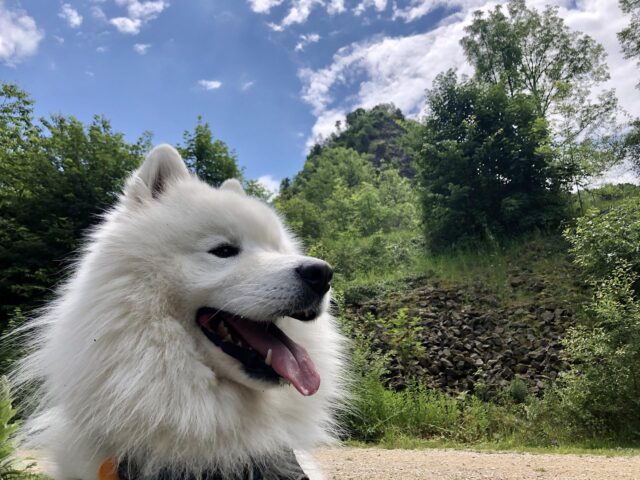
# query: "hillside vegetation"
{"type": "Point", "coordinates": [490, 295]}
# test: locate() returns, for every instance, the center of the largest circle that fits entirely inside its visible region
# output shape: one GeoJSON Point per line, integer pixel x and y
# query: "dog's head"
{"type": "Point", "coordinates": [228, 269]}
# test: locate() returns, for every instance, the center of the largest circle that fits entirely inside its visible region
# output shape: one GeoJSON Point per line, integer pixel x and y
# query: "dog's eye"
{"type": "Point", "coordinates": [225, 251]}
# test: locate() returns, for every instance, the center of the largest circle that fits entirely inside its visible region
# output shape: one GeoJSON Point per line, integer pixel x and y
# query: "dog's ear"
{"type": "Point", "coordinates": [162, 166]}
{"type": "Point", "coordinates": [233, 185]}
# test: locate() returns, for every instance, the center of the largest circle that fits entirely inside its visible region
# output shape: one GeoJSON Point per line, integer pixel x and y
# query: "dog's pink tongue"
{"type": "Point", "coordinates": [288, 359]}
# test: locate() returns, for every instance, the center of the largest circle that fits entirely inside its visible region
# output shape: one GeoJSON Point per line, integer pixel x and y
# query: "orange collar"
{"type": "Point", "coordinates": [108, 470]}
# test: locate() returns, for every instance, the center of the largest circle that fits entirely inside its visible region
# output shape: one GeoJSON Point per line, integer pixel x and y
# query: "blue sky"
{"type": "Point", "coordinates": [268, 75]}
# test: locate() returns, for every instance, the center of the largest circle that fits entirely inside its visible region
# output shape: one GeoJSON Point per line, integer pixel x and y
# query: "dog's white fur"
{"type": "Point", "coordinates": [121, 367]}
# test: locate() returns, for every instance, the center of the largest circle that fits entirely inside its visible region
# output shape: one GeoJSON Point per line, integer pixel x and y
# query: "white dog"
{"type": "Point", "coordinates": [191, 341]}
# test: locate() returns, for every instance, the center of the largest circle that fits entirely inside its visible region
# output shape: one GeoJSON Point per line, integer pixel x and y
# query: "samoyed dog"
{"type": "Point", "coordinates": [191, 341]}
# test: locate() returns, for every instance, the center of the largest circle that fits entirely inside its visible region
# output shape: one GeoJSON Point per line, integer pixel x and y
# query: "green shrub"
{"type": "Point", "coordinates": [599, 396]}
{"type": "Point", "coordinates": [354, 256]}
{"type": "Point", "coordinates": [602, 241]}
{"type": "Point", "coordinates": [518, 390]}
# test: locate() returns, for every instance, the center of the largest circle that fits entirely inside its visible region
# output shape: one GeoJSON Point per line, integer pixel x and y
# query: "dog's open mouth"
{"type": "Point", "coordinates": [262, 348]}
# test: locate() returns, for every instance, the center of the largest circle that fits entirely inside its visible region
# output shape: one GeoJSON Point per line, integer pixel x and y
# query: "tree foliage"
{"type": "Point", "coordinates": [534, 53]}
{"type": "Point", "coordinates": [604, 241]}
{"type": "Point", "coordinates": [343, 207]}
{"type": "Point", "coordinates": [211, 160]}
{"type": "Point", "coordinates": [598, 395]}
{"type": "Point", "coordinates": [57, 176]}
{"type": "Point", "coordinates": [486, 164]}
{"type": "Point", "coordinates": [382, 135]}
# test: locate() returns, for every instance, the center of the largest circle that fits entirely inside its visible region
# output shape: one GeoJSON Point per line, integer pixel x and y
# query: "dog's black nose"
{"type": "Point", "coordinates": [317, 275]}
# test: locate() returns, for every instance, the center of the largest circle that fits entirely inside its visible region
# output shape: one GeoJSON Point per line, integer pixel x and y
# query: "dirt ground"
{"type": "Point", "coordinates": [431, 464]}
{"type": "Point", "coordinates": [373, 463]}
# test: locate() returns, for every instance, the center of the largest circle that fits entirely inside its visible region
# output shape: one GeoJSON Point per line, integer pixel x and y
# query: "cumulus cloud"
{"type": "Point", "coordinates": [306, 40]}
{"type": "Point", "coordinates": [70, 15]}
{"type": "Point", "coordinates": [400, 69]}
{"type": "Point", "coordinates": [264, 6]}
{"type": "Point", "coordinates": [298, 11]}
{"type": "Point", "coordinates": [138, 14]}
{"type": "Point", "coordinates": [209, 84]}
{"type": "Point", "coordinates": [270, 184]}
{"type": "Point", "coordinates": [379, 5]}
{"type": "Point", "coordinates": [19, 35]}
{"type": "Point", "coordinates": [392, 69]}
{"type": "Point", "coordinates": [141, 48]}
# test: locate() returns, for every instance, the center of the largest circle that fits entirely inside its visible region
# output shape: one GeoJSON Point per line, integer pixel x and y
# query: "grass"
{"type": "Point", "coordinates": [537, 258]}
{"type": "Point", "coordinates": [418, 418]}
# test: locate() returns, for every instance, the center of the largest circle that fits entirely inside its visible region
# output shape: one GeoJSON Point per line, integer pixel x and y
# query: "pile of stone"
{"type": "Point", "coordinates": [471, 336]}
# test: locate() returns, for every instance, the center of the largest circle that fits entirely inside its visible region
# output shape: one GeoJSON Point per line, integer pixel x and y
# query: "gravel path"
{"type": "Point", "coordinates": [431, 464]}
{"type": "Point", "coordinates": [373, 463]}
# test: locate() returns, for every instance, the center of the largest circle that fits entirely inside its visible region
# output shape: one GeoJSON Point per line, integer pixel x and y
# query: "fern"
{"type": "Point", "coordinates": [9, 468]}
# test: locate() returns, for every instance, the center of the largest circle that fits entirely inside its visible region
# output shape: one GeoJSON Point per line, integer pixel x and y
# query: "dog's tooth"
{"type": "Point", "coordinates": [228, 338]}
{"type": "Point", "coordinates": [222, 330]}
{"type": "Point", "coordinates": [267, 359]}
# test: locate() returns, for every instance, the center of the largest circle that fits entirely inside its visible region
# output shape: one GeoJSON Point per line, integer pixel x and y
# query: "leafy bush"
{"type": "Point", "coordinates": [518, 390]}
{"type": "Point", "coordinates": [602, 241]}
{"type": "Point", "coordinates": [354, 256]}
{"type": "Point", "coordinates": [600, 395]}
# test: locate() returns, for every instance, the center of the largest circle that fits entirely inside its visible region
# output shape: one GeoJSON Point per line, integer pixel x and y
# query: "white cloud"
{"type": "Point", "coordinates": [127, 25]}
{"type": "Point", "coordinates": [275, 27]}
{"type": "Point", "coordinates": [101, 49]}
{"type": "Point", "coordinates": [264, 6]}
{"type": "Point", "coordinates": [19, 35]}
{"type": "Point", "coordinates": [379, 5]}
{"type": "Point", "coordinates": [138, 14]}
{"type": "Point", "coordinates": [271, 184]}
{"type": "Point", "coordinates": [98, 13]}
{"type": "Point", "coordinates": [336, 6]}
{"type": "Point", "coordinates": [89, 73]}
{"type": "Point", "coordinates": [58, 39]}
{"type": "Point", "coordinates": [247, 85]}
{"type": "Point", "coordinates": [70, 15]}
{"type": "Point", "coordinates": [391, 69]}
{"type": "Point", "coordinates": [209, 84]}
{"type": "Point", "coordinates": [306, 40]}
{"type": "Point", "coordinates": [298, 10]}
{"type": "Point", "coordinates": [141, 48]}
{"type": "Point", "coordinates": [400, 69]}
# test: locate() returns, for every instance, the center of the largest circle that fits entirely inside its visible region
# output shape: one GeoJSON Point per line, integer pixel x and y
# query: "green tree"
{"type": "Point", "coordinates": [381, 135]}
{"type": "Point", "coordinates": [210, 159]}
{"type": "Point", "coordinates": [255, 189]}
{"type": "Point", "coordinates": [534, 53]}
{"type": "Point", "coordinates": [486, 164]}
{"type": "Point", "coordinates": [58, 175]}
{"type": "Point", "coordinates": [586, 144]}
{"type": "Point", "coordinates": [316, 180]}
{"type": "Point", "coordinates": [599, 394]}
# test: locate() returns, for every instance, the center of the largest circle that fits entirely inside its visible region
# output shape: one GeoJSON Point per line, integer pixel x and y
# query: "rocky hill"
{"type": "Point", "coordinates": [468, 336]}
